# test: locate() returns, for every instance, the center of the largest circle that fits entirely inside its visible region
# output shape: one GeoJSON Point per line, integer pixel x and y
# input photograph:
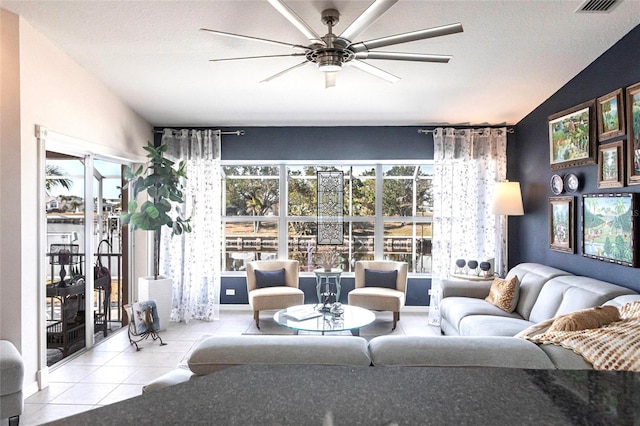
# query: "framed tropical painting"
{"type": "Point", "coordinates": [609, 227]}
{"type": "Point", "coordinates": [610, 115]}
{"type": "Point", "coordinates": [611, 165]}
{"type": "Point", "coordinates": [572, 136]}
{"type": "Point", "coordinates": [562, 224]}
{"type": "Point", "coordinates": [633, 138]}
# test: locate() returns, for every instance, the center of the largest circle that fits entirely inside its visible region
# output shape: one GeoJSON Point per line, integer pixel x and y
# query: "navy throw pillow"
{"type": "Point", "coordinates": [387, 279]}
{"type": "Point", "coordinates": [270, 278]}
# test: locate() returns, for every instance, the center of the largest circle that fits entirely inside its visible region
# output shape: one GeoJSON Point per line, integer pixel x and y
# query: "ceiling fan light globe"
{"type": "Point", "coordinates": [329, 67]}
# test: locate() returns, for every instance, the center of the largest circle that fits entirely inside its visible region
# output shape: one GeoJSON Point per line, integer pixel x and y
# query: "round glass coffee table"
{"type": "Point", "coordinates": [308, 318]}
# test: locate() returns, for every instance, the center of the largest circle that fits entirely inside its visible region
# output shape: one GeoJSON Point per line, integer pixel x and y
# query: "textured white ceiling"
{"type": "Point", "coordinates": [511, 56]}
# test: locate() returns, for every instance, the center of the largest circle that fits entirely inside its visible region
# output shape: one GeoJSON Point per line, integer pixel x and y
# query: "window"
{"type": "Point", "coordinates": [270, 212]}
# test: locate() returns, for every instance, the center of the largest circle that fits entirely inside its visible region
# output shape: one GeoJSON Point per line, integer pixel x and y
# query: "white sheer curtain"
{"type": "Point", "coordinates": [467, 163]}
{"type": "Point", "coordinates": [193, 259]}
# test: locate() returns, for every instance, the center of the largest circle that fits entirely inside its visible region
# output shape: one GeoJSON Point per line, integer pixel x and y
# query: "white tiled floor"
{"type": "Point", "coordinates": [113, 370]}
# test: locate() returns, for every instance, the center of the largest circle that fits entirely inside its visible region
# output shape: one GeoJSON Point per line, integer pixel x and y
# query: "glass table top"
{"type": "Point", "coordinates": [309, 318]}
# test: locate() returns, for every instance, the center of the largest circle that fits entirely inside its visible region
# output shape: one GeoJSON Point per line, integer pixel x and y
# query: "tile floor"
{"type": "Point", "coordinates": [113, 370]}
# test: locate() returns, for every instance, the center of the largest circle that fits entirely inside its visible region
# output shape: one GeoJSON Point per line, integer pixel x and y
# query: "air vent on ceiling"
{"type": "Point", "coordinates": [598, 6]}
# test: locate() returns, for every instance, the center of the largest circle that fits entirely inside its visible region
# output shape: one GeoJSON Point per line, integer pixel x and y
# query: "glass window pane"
{"type": "Point", "coordinates": [361, 240]}
{"type": "Point", "coordinates": [424, 191]}
{"type": "Point", "coordinates": [397, 190]}
{"type": "Point", "coordinates": [302, 189]}
{"type": "Point", "coordinates": [408, 242]}
{"type": "Point", "coordinates": [251, 191]}
{"type": "Point", "coordinates": [246, 241]}
{"type": "Point", "coordinates": [302, 243]}
{"type": "Point", "coordinates": [360, 191]}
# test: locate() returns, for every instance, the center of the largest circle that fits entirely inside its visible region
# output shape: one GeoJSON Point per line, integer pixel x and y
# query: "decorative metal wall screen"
{"type": "Point", "coordinates": [330, 207]}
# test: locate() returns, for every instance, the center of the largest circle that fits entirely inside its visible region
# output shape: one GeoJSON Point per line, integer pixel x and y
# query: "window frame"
{"type": "Point", "coordinates": [379, 219]}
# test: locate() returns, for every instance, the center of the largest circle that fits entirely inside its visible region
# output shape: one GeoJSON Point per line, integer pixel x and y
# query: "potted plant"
{"type": "Point", "coordinates": [162, 181]}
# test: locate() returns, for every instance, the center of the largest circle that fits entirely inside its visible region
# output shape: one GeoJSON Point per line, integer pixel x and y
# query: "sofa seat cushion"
{"type": "Point", "coordinates": [490, 325]}
{"type": "Point", "coordinates": [565, 359]}
{"type": "Point", "coordinates": [218, 352]}
{"type": "Point", "coordinates": [454, 309]}
{"type": "Point", "coordinates": [456, 351]}
{"type": "Point", "coordinates": [377, 298]}
{"type": "Point", "coordinates": [268, 298]}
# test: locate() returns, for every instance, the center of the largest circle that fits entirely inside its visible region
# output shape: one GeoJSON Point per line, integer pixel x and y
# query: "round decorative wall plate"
{"type": "Point", "coordinates": [556, 184]}
{"type": "Point", "coordinates": [571, 182]}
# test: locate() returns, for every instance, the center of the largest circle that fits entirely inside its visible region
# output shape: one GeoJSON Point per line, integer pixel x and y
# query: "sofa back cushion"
{"type": "Point", "coordinates": [532, 276]}
{"type": "Point", "coordinates": [565, 294]}
{"type": "Point", "coordinates": [219, 352]}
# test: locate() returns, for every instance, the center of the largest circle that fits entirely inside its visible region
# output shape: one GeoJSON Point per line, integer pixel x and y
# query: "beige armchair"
{"type": "Point", "coordinates": [373, 294]}
{"type": "Point", "coordinates": [270, 288]}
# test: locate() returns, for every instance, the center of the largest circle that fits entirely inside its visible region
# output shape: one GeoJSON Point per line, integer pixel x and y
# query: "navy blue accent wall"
{"type": "Point", "coordinates": [529, 162]}
{"type": "Point", "coordinates": [417, 290]}
{"type": "Point", "coordinates": [328, 143]}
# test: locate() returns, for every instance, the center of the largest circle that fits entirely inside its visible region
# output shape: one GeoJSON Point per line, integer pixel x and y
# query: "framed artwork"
{"type": "Point", "coordinates": [610, 115]}
{"type": "Point", "coordinates": [572, 137]}
{"type": "Point", "coordinates": [562, 224]}
{"type": "Point", "coordinates": [611, 165]}
{"type": "Point", "coordinates": [609, 227]}
{"type": "Point", "coordinates": [633, 139]}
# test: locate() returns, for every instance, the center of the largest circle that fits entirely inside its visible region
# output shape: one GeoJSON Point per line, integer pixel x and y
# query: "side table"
{"type": "Point", "coordinates": [326, 277]}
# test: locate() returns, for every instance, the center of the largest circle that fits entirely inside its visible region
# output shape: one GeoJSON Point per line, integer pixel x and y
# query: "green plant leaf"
{"type": "Point", "coordinates": [133, 205]}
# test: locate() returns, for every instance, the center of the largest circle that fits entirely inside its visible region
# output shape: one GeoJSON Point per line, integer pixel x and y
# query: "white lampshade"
{"type": "Point", "coordinates": [507, 199]}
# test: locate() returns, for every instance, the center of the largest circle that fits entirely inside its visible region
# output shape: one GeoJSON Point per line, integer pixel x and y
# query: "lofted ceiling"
{"type": "Point", "coordinates": [512, 55]}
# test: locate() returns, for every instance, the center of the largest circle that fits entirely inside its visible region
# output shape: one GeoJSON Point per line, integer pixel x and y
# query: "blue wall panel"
{"type": "Point", "coordinates": [328, 143]}
{"type": "Point", "coordinates": [619, 67]}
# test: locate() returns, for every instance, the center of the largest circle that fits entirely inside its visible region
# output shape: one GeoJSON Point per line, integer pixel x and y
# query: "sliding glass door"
{"type": "Point", "coordinates": [84, 251]}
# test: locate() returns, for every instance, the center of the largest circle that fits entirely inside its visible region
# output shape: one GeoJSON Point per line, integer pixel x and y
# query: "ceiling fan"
{"type": "Point", "coordinates": [332, 51]}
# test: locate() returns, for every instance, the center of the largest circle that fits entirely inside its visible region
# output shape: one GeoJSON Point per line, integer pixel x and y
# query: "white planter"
{"type": "Point", "coordinates": [160, 290]}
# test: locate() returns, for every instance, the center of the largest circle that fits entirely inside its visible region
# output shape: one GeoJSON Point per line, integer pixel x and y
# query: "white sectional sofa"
{"type": "Point", "coordinates": [545, 293]}
{"type": "Point", "coordinates": [478, 333]}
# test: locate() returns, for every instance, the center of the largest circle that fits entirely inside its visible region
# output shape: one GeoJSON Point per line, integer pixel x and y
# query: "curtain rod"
{"type": "Point", "coordinates": [461, 131]}
{"type": "Point", "coordinates": [236, 132]}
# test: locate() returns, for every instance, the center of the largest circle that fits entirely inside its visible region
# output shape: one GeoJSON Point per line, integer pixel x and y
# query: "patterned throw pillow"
{"type": "Point", "coordinates": [586, 319]}
{"type": "Point", "coordinates": [504, 293]}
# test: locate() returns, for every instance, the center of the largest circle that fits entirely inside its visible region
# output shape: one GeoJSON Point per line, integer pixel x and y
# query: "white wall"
{"type": "Point", "coordinates": [10, 310]}
{"type": "Point", "coordinates": [55, 92]}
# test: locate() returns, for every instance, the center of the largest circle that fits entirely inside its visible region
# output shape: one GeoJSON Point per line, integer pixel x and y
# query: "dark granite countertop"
{"type": "Point", "coordinates": [329, 395]}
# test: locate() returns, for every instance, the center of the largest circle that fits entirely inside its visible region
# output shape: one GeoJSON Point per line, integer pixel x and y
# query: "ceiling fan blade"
{"type": "Point", "coordinates": [255, 57]}
{"type": "Point", "coordinates": [395, 56]}
{"type": "Point", "coordinates": [297, 22]}
{"type": "Point", "coordinates": [245, 37]}
{"type": "Point", "coordinates": [406, 37]}
{"type": "Point", "coordinates": [368, 17]}
{"type": "Point", "coordinates": [375, 71]}
{"type": "Point", "coordinates": [284, 72]}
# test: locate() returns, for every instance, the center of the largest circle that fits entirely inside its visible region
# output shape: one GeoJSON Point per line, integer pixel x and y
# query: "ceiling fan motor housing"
{"type": "Point", "coordinates": [330, 58]}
